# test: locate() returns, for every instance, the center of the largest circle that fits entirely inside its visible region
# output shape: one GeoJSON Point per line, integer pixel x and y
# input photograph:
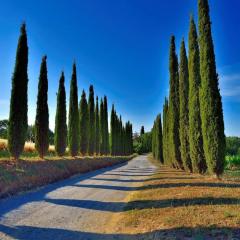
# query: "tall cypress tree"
{"type": "Point", "coordinates": [129, 140]}
{"type": "Point", "coordinates": [91, 122]}
{"type": "Point", "coordinates": [97, 130]}
{"type": "Point", "coordinates": [83, 124]}
{"type": "Point", "coordinates": [60, 138]}
{"type": "Point", "coordinates": [154, 140]}
{"type": "Point", "coordinates": [42, 115]}
{"type": "Point", "coordinates": [174, 140]}
{"type": "Point", "coordinates": [142, 131]}
{"type": "Point", "coordinates": [184, 112]}
{"type": "Point", "coordinates": [117, 135]}
{"type": "Point", "coordinates": [102, 129]}
{"type": "Point", "coordinates": [73, 119]}
{"type": "Point", "coordinates": [106, 134]}
{"type": "Point", "coordinates": [113, 132]}
{"type": "Point", "coordinates": [157, 141]}
{"type": "Point", "coordinates": [121, 136]}
{"type": "Point", "coordinates": [210, 98]}
{"type": "Point", "coordinates": [195, 129]}
{"type": "Point", "coordinates": [165, 132]}
{"type": "Point", "coordinates": [18, 120]}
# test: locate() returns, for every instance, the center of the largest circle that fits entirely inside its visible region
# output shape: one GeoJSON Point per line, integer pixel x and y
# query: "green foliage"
{"type": "Point", "coordinates": [121, 136]}
{"type": "Point", "coordinates": [97, 129]}
{"type": "Point", "coordinates": [184, 112]}
{"type": "Point", "coordinates": [18, 120]}
{"type": "Point", "coordinates": [60, 119]}
{"type": "Point", "coordinates": [142, 130]}
{"type": "Point", "coordinates": [4, 128]}
{"type": "Point", "coordinates": [73, 117]}
{"type": "Point", "coordinates": [83, 124]}
{"type": "Point", "coordinates": [157, 144]}
{"type": "Point", "coordinates": [143, 143]}
{"type": "Point", "coordinates": [91, 122]}
{"type": "Point", "coordinates": [113, 129]}
{"type": "Point", "coordinates": [42, 115]}
{"type": "Point", "coordinates": [210, 98]}
{"type": "Point", "coordinates": [195, 130]}
{"type": "Point", "coordinates": [165, 133]}
{"type": "Point", "coordinates": [102, 130]}
{"type": "Point", "coordinates": [106, 132]}
{"type": "Point", "coordinates": [232, 162]}
{"type": "Point", "coordinates": [232, 146]}
{"type": "Point", "coordinates": [129, 139]}
{"type": "Point", "coordinates": [173, 114]}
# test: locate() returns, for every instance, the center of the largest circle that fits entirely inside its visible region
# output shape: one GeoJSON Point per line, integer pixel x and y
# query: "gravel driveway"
{"type": "Point", "coordinates": [76, 208]}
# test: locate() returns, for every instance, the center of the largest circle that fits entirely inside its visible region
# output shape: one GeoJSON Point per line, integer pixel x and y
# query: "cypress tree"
{"type": "Point", "coordinates": [159, 139]}
{"type": "Point", "coordinates": [184, 112]}
{"type": "Point", "coordinates": [102, 129]}
{"type": "Point", "coordinates": [173, 117]}
{"type": "Point", "coordinates": [113, 131]}
{"type": "Point", "coordinates": [165, 132]}
{"type": "Point", "coordinates": [195, 129]}
{"type": "Point", "coordinates": [117, 135]}
{"type": "Point", "coordinates": [121, 136]}
{"type": "Point", "coordinates": [154, 140]}
{"type": "Point", "coordinates": [106, 132]}
{"type": "Point", "coordinates": [83, 124]}
{"type": "Point", "coordinates": [142, 131]}
{"type": "Point", "coordinates": [97, 130]}
{"type": "Point", "coordinates": [60, 119]}
{"type": "Point", "coordinates": [210, 98]}
{"type": "Point", "coordinates": [73, 119]}
{"type": "Point", "coordinates": [91, 122]}
{"type": "Point", "coordinates": [18, 120]}
{"type": "Point", "coordinates": [129, 140]}
{"type": "Point", "coordinates": [42, 115]}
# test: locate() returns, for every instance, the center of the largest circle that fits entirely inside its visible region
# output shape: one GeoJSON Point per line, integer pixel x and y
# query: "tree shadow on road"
{"type": "Point", "coordinates": [142, 179]}
{"type": "Point", "coordinates": [158, 186]}
{"type": "Point", "coordinates": [40, 233]}
{"type": "Point", "coordinates": [9, 204]}
{"type": "Point", "coordinates": [142, 204]}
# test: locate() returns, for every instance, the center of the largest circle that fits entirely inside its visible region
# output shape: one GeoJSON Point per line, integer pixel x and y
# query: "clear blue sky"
{"type": "Point", "coordinates": [121, 47]}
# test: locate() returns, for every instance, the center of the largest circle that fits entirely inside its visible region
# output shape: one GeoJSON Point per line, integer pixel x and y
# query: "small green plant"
{"type": "Point", "coordinates": [232, 162]}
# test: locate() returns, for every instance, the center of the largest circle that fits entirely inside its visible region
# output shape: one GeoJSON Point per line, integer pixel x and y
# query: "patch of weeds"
{"type": "Point", "coordinates": [229, 214]}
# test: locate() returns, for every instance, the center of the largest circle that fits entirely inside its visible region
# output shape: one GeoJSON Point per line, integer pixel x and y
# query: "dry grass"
{"type": "Point", "coordinates": [35, 172]}
{"type": "Point", "coordinates": [177, 204]}
{"type": "Point", "coordinates": [29, 147]}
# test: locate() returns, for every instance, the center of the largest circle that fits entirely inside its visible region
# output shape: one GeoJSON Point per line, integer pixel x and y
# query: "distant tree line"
{"type": "Point", "coordinates": [193, 127]}
{"type": "Point", "coordinates": [142, 143]}
{"type": "Point", "coordinates": [30, 132]}
{"type": "Point", "coordinates": [87, 129]}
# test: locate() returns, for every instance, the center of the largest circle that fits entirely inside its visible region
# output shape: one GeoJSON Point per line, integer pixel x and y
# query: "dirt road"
{"type": "Point", "coordinates": [77, 208]}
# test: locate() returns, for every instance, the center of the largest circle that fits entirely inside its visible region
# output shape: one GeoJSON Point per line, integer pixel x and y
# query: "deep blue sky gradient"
{"type": "Point", "coordinates": [121, 47]}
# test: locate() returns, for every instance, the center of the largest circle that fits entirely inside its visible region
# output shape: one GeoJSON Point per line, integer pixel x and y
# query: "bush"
{"type": "Point", "coordinates": [143, 143]}
{"type": "Point", "coordinates": [232, 146]}
{"type": "Point", "coordinates": [232, 162]}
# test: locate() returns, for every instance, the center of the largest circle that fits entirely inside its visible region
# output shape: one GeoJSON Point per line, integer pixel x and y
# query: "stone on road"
{"type": "Point", "coordinates": [77, 208]}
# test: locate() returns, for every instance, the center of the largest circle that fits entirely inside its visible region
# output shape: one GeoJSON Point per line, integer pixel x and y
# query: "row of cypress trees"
{"type": "Point", "coordinates": [87, 129]}
{"type": "Point", "coordinates": [193, 125]}
{"type": "Point", "coordinates": [121, 136]}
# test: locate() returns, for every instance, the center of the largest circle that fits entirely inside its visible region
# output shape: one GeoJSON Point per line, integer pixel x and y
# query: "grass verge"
{"type": "Point", "coordinates": [33, 172]}
{"type": "Point", "coordinates": [178, 205]}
